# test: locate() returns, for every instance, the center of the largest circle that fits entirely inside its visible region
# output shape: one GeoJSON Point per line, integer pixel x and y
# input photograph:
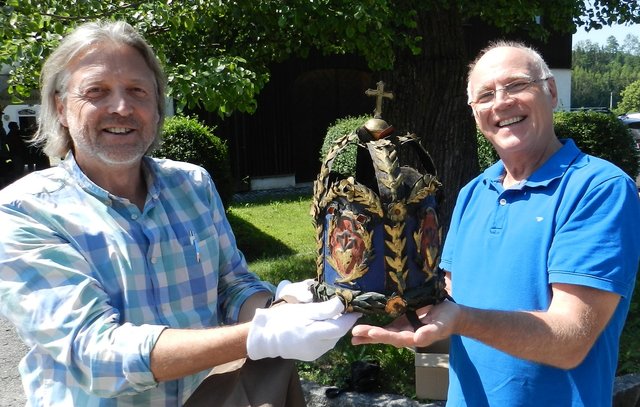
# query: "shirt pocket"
{"type": "Point", "coordinates": [188, 282]}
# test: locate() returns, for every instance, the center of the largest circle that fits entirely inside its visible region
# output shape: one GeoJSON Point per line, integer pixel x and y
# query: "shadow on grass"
{"type": "Point", "coordinates": [254, 243]}
{"type": "Point", "coordinates": [292, 268]}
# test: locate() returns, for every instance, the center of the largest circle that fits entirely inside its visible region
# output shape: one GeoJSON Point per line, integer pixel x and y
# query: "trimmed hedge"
{"type": "Point", "coordinates": [601, 135]}
{"type": "Point", "coordinates": [186, 139]}
{"type": "Point", "coordinates": [345, 162]}
{"type": "Point", "coordinates": [487, 155]}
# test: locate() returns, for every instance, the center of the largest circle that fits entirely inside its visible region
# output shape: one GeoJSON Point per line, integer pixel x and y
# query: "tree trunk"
{"type": "Point", "coordinates": [430, 100]}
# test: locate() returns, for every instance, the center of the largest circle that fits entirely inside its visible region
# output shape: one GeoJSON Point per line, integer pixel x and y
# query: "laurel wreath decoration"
{"type": "Point", "coordinates": [425, 186]}
{"type": "Point", "coordinates": [319, 192]}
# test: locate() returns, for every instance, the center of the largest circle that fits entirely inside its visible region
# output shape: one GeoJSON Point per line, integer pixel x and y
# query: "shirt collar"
{"type": "Point", "coordinates": [149, 170]}
{"type": "Point", "coordinates": [553, 168]}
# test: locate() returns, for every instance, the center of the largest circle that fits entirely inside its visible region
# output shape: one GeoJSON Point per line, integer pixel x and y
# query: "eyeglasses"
{"type": "Point", "coordinates": [485, 100]}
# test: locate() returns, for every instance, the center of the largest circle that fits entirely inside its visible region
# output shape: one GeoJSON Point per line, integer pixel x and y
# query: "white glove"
{"type": "Point", "coordinates": [295, 293]}
{"type": "Point", "coordinates": [298, 331]}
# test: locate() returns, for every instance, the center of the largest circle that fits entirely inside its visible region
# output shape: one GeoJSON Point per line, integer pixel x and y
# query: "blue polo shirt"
{"type": "Point", "coordinates": [576, 220]}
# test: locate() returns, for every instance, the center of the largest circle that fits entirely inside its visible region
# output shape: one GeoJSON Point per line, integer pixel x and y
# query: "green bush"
{"type": "Point", "coordinates": [487, 155]}
{"type": "Point", "coordinates": [629, 354]}
{"type": "Point", "coordinates": [601, 135]}
{"type": "Point", "coordinates": [345, 162]}
{"type": "Point", "coordinates": [186, 139]}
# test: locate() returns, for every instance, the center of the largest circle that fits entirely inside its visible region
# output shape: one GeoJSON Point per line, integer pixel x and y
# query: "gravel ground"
{"type": "Point", "coordinates": [11, 351]}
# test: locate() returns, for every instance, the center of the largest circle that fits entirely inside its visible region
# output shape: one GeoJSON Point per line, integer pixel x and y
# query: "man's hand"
{"type": "Point", "coordinates": [438, 320]}
{"type": "Point", "coordinates": [295, 293]}
{"type": "Point", "coordinates": [298, 331]}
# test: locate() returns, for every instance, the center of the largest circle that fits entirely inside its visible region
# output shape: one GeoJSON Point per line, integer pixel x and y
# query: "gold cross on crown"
{"type": "Point", "coordinates": [379, 93]}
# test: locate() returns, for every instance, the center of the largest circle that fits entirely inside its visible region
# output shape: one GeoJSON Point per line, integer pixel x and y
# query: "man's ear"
{"type": "Point", "coordinates": [553, 91]}
{"type": "Point", "coordinates": [61, 109]}
{"type": "Point", "coordinates": [476, 116]}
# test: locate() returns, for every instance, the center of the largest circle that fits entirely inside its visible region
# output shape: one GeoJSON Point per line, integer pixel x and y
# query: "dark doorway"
{"type": "Point", "coordinates": [320, 97]}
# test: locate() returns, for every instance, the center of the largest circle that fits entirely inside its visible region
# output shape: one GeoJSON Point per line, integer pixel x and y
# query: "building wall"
{"type": "Point", "coordinates": [563, 82]}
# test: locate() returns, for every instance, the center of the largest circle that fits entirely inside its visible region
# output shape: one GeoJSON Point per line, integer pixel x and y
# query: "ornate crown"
{"type": "Point", "coordinates": [378, 233]}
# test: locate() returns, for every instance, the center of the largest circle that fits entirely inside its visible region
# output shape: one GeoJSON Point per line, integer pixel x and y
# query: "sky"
{"type": "Point", "coordinates": [600, 36]}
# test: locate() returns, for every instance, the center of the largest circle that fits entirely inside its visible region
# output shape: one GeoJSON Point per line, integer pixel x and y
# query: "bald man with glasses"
{"type": "Point", "coordinates": [541, 255]}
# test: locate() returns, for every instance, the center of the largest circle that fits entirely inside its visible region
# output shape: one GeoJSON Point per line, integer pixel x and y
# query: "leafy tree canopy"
{"type": "Point", "coordinates": [630, 99]}
{"type": "Point", "coordinates": [217, 53]}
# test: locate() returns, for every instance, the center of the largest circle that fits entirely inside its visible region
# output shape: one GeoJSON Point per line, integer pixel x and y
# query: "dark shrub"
{"type": "Point", "coordinates": [186, 139]}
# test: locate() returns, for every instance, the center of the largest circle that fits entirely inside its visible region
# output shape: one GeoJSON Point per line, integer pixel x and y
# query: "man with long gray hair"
{"type": "Point", "coordinates": [120, 271]}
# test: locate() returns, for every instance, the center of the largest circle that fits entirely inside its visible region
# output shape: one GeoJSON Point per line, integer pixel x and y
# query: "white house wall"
{"type": "Point", "coordinates": [563, 82]}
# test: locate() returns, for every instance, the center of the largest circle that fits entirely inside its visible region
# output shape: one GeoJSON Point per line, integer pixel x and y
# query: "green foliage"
{"type": "Point", "coordinates": [600, 73]}
{"type": "Point", "coordinates": [217, 53]}
{"type": "Point", "coordinates": [629, 355]}
{"type": "Point", "coordinates": [186, 139]}
{"type": "Point", "coordinates": [601, 135]}
{"type": "Point", "coordinates": [334, 367]}
{"type": "Point", "coordinates": [345, 162]}
{"type": "Point", "coordinates": [487, 155]}
{"type": "Point", "coordinates": [630, 99]}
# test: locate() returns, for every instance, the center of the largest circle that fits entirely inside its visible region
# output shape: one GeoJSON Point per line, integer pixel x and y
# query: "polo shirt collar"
{"type": "Point", "coordinates": [553, 168]}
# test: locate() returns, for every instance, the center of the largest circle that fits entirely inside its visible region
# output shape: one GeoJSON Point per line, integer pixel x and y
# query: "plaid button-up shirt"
{"type": "Point", "coordinates": [90, 281]}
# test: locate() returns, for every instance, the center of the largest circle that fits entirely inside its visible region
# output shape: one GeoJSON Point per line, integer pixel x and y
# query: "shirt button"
{"type": "Point", "coordinates": [134, 216]}
{"type": "Point", "coordinates": [503, 202]}
{"type": "Point", "coordinates": [154, 260]}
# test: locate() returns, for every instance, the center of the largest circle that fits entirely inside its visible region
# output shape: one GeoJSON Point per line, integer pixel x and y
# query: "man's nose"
{"type": "Point", "coordinates": [120, 103]}
{"type": "Point", "coordinates": [501, 97]}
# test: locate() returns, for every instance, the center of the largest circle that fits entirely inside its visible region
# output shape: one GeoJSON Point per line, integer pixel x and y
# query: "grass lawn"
{"type": "Point", "coordinates": [276, 237]}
